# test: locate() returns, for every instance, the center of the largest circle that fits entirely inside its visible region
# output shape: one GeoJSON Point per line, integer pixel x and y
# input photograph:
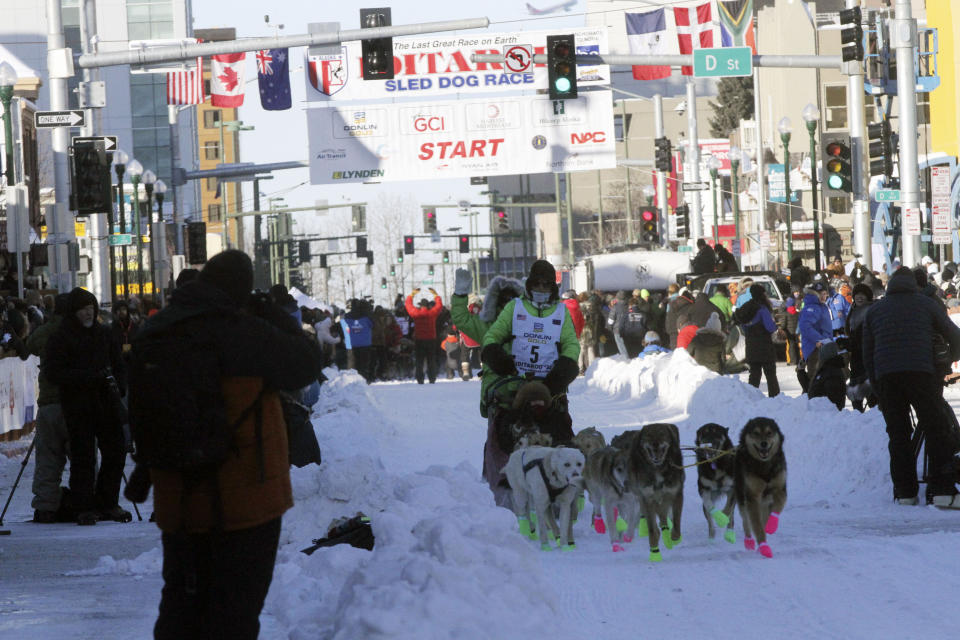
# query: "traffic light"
{"type": "Point", "coordinates": [383, 283]}
{"type": "Point", "coordinates": [851, 35]}
{"type": "Point", "coordinates": [649, 227]}
{"type": "Point", "coordinates": [562, 67]}
{"type": "Point", "coordinates": [376, 53]}
{"type": "Point", "coordinates": [446, 257]}
{"type": "Point", "coordinates": [91, 178]}
{"type": "Point", "coordinates": [197, 242]}
{"type": "Point", "coordinates": [683, 221]}
{"type": "Point", "coordinates": [838, 173]}
{"type": "Point", "coordinates": [430, 270]}
{"type": "Point", "coordinates": [323, 261]}
{"type": "Point", "coordinates": [399, 255]}
{"type": "Point", "coordinates": [358, 218]}
{"type": "Point", "coordinates": [304, 251]}
{"type": "Point", "coordinates": [662, 154]}
{"type": "Point", "coordinates": [408, 245]}
{"type": "Point", "coordinates": [503, 222]}
{"type": "Point", "coordinates": [393, 270]}
{"type": "Point", "coordinates": [361, 246]}
{"type": "Point", "coordinates": [464, 244]}
{"type": "Point", "coordinates": [880, 148]}
{"type": "Point", "coordinates": [369, 258]}
{"type": "Point", "coordinates": [429, 219]}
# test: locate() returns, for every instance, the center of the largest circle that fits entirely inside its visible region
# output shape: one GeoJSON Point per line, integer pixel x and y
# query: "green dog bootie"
{"type": "Point", "coordinates": [580, 503]}
{"type": "Point", "coordinates": [730, 536]}
{"type": "Point", "coordinates": [655, 555]}
{"type": "Point", "coordinates": [621, 525]}
{"type": "Point", "coordinates": [545, 547]}
{"type": "Point", "coordinates": [524, 525]}
{"type": "Point", "coordinates": [642, 529]}
{"type": "Point", "coordinates": [720, 518]}
{"type": "Point", "coordinates": [568, 547]}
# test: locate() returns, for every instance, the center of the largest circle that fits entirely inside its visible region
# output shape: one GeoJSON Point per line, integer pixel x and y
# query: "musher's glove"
{"type": "Point", "coordinates": [499, 361]}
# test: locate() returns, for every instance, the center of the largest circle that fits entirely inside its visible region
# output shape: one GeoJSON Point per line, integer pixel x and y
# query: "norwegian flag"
{"type": "Point", "coordinates": [186, 87]}
{"type": "Point", "coordinates": [694, 30]}
{"type": "Point", "coordinates": [226, 79]}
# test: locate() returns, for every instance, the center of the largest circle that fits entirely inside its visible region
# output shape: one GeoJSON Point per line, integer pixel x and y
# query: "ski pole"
{"type": "Point", "coordinates": [23, 465]}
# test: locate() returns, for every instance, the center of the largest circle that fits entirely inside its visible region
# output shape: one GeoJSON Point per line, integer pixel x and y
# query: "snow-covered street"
{"type": "Point", "coordinates": [449, 564]}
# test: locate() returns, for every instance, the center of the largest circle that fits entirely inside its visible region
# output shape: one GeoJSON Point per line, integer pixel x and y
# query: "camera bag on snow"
{"type": "Point", "coordinates": [301, 440]}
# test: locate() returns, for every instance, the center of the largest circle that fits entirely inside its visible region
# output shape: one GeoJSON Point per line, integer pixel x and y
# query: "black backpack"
{"type": "Point", "coordinates": [634, 322]}
{"type": "Point", "coordinates": [178, 415]}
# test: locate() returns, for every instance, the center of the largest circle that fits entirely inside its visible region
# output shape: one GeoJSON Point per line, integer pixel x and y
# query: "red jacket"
{"type": "Point", "coordinates": [424, 319]}
{"type": "Point", "coordinates": [575, 314]}
{"type": "Point", "coordinates": [686, 335]}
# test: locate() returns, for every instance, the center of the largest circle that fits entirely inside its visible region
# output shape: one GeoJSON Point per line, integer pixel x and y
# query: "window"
{"type": "Point", "coordinates": [210, 184]}
{"type": "Point", "coordinates": [835, 106]}
{"type": "Point", "coordinates": [211, 119]}
{"type": "Point", "coordinates": [149, 19]}
{"type": "Point", "coordinates": [211, 150]}
{"type": "Point", "coordinates": [213, 213]}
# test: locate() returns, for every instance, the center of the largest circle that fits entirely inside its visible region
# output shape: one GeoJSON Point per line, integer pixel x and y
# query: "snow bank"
{"type": "Point", "coordinates": [831, 455]}
{"type": "Point", "coordinates": [150, 562]}
{"type": "Point", "coordinates": [445, 556]}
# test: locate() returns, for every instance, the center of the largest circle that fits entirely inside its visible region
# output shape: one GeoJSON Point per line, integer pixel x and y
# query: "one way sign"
{"type": "Point", "coordinates": [109, 142]}
{"type": "Point", "coordinates": [49, 119]}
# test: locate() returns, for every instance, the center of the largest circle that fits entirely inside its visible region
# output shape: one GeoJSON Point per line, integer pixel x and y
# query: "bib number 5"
{"type": "Point", "coordinates": [534, 354]}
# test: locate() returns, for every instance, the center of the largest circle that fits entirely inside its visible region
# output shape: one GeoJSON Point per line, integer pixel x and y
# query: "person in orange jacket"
{"type": "Point", "coordinates": [424, 316]}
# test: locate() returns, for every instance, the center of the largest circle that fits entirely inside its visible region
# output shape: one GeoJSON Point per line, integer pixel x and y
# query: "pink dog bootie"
{"type": "Point", "coordinates": [749, 544]}
{"type": "Point", "coordinates": [617, 547]}
{"type": "Point", "coordinates": [765, 550]}
{"type": "Point", "coordinates": [598, 524]}
{"type": "Point", "coordinates": [772, 522]}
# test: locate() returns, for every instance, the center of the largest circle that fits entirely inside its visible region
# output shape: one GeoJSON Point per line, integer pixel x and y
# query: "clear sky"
{"type": "Point", "coordinates": [281, 135]}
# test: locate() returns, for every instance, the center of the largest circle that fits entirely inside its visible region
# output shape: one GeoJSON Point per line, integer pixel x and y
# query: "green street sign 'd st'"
{"type": "Point", "coordinates": [725, 62]}
{"type": "Point", "coordinates": [887, 195]}
{"type": "Point", "coordinates": [120, 239]}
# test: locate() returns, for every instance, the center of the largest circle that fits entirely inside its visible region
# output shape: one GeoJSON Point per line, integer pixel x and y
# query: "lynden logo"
{"type": "Point", "coordinates": [358, 173]}
{"type": "Point", "coordinates": [332, 154]}
{"type": "Point", "coordinates": [586, 138]}
{"type": "Point", "coordinates": [423, 124]}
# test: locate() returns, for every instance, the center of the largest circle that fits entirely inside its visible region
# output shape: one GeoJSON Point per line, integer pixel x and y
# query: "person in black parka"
{"type": "Point", "coordinates": [756, 318]}
{"type": "Point", "coordinates": [80, 358]}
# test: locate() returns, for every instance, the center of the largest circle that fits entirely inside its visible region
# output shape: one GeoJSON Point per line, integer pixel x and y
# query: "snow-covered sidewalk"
{"type": "Point", "coordinates": [449, 564]}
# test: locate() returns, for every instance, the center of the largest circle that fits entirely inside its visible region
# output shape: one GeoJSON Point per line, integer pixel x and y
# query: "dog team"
{"type": "Point", "coordinates": [636, 484]}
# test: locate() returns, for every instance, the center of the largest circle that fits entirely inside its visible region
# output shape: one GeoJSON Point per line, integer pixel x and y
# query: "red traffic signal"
{"type": "Point", "coordinates": [464, 244]}
{"type": "Point", "coordinates": [408, 245]}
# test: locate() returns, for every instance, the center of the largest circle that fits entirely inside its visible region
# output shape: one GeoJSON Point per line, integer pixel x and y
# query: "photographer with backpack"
{"type": "Point", "coordinates": [208, 424]}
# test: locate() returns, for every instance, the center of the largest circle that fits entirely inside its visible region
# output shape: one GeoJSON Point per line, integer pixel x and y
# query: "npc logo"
{"type": "Point", "coordinates": [539, 142]}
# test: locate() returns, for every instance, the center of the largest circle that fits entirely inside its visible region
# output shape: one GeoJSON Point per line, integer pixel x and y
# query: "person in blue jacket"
{"type": "Point", "coordinates": [839, 309]}
{"type": "Point", "coordinates": [815, 324]}
{"type": "Point", "coordinates": [651, 345]}
{"type": "Point", "coordinates": [358, 336]}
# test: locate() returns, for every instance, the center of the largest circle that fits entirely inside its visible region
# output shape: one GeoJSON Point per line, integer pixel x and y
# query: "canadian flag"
{"type": "Point", "coordinates": [226, 80]}
{"type": "Point", "coordinates": [694, 30]}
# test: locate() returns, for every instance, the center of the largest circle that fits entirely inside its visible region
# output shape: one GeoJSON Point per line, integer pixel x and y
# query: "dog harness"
{"type": "Point", "coordinates": [535, 340]}
{"type": "Point", "coordinates": [551, 490]}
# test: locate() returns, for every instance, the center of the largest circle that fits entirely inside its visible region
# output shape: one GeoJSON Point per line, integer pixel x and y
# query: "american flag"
{"type": "Point", "coordinates": [186, 87]}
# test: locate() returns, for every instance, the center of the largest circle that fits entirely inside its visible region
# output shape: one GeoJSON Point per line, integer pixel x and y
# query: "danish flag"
{"type": "Point", "coordinates": [694, 21]}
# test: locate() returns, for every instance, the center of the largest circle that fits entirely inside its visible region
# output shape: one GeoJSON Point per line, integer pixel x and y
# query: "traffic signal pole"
{"type": "Point", "coordinates": [661, 176]}
{"type": "Point", "coordinates": [693, 159]}
{"type": "Point", "coordinates": [859, 161]}
{"type": "Point", "coordinates": [903, 38]}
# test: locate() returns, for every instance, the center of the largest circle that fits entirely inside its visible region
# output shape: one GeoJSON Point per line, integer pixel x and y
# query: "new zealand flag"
{"type": "Point", "coordinates": [273, 75]}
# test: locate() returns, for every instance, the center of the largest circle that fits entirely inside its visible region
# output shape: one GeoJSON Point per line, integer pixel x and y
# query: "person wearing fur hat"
{"type": "Point", "coordinates": [81, 358]}
{"type": "Point", "coordinates": [756, 319]}
{"type": "Point", "coordinates": [533, 338]}
{"type": "Point", "coordinates": [500, 291]}
{"type": "Point", "coordinates": [707, 345]}
{"type": "Point", "coordinates": [858, 389]}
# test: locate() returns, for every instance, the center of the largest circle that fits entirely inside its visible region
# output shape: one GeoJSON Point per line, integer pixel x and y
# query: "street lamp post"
{"type": "Point", "coordinates": [8, 78]}
{"type": "Point", "coordinates": [735, 155]}
{"type": "Point", "coordinates": [811, 115]}
{"type": "Point", "coordinates": [233, 126]}
{"type": "Point", "coordinates": [135, 169]}
{"type": "Point", "coordinates": [786, 128]}
{"type": "Point", "coordinates": [149, 179]}
{"type": "Point", "coordinates": [120, 159]}
{"type": "Point", "coordinates": [714, 165]}
{"type": "Point", "coordinates": [158, 240]}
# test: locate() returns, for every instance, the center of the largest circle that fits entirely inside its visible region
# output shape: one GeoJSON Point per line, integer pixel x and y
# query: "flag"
{"type": "Point", "coordinates": [226, 80]}
{"type": "Point", "coordinates": [186, 87]}
{"type": "Point", "coordinates": [647, 35]}
{"type": "Point", "coordinates": [273, 76]}
{"type": "Point", "coordinates": [694, 30]}
{"type": "Point", "coordinates": [736, 23]}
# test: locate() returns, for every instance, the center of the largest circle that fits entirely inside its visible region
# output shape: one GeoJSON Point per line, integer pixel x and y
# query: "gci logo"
{"type": "Point", "coordinates": [587, 138]}
{"type": "Point", "coordinates": [429, 123]}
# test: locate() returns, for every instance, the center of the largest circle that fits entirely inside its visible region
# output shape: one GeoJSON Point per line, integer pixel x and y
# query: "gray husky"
{"type": "Point", "coordinates": [656, 476]}
{"type": "Point", "coordinates": [605, 475]}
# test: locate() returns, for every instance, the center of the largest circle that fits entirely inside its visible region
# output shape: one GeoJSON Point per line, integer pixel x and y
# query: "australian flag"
{"type": "Point", "coordinates": [273, 75]}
